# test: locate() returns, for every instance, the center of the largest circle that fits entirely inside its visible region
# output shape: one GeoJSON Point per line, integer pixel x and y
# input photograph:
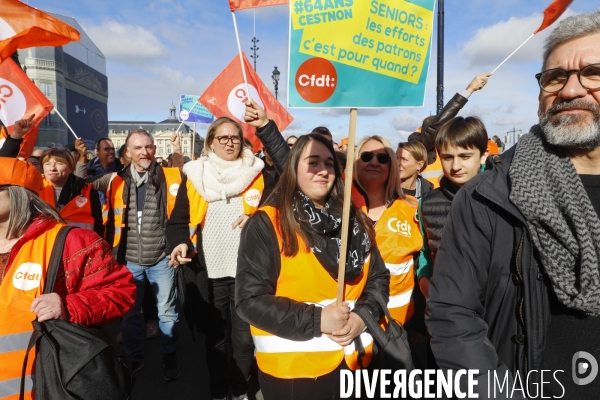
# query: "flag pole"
{"type": "Point", "coordinates": [347, 204]}
{"type": "Point", "coordinates": [237, 36]}
{"type": "Point", "coordinates": [66, 123]}
{"type": "Point", "coordinates": [193, 141]}
{"type": "Point", "coordinates": [511, 54]}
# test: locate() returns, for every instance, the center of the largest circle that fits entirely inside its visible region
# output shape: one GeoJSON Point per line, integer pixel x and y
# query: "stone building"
{"type": "Point", "coordinates": [161, 131]}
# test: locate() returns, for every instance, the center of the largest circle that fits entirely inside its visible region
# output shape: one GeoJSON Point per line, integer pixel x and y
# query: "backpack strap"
{"type": "Point", "coordinates": [56, 258]}
{"type": "Point", "coordinates": [51, 273]}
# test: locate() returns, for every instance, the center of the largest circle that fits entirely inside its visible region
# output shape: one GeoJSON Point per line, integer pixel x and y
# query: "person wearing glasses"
{"type": "Point", "coordinates": [104, 163]}
{"type": "Point", "coordinates": [516, 284]}
{"type": "Point", "coordinates": [217, 196]}
{"type": "Point", "coordinates": [291, 140]}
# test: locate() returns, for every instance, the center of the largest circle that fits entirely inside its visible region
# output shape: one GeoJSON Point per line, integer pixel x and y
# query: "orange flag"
{"type": "Point", "coordinates": [22, 26]}
{"type": "Point", "coordinates": [242, 4]}
{"type": "Point", "coordinates": [20, 97]}
{"type": "Point", "coordinates": [225, 97]}
{"type": "Point", "coordinates": [553, 12]}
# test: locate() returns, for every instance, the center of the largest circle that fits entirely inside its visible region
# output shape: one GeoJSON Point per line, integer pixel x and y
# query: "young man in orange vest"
{"type": "Point", "coordinates": [139, 202]}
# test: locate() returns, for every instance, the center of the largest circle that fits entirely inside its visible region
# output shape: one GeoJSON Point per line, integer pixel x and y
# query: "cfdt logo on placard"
{"type": "Point", "coordinates": [316, 80]}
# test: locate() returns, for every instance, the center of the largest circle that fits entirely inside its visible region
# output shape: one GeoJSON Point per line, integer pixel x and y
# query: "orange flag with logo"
{"type": "Point", "coordinates": [20, 97]}
{"type": "Point", "coordinates": [553, 12]}
{"type": "Point", "coordinates": [242, 4]}
{"type": "Point", "coordinates": [22, 26]}
{"type": "Point", "coordinates": [226, 97]}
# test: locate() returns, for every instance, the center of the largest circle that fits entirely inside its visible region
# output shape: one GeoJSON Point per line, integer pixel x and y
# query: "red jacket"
{"type": "Point", "coordinates": [94, 287]}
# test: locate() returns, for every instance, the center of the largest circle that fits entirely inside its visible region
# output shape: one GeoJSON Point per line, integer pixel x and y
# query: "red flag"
{"type": "Point", "coordinates": [553, 12]}
{"type": "Point", "coordinates": [225, 97]}
{"type": "Point", "coordinates": [22, 26]}
{"type": "Point", "coordinates": [20, 97]}
{"type": "Point", "coordinates": [242, 4]}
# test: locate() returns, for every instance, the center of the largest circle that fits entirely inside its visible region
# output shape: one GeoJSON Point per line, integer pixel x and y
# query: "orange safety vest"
{"type": "Point", "coordinates": [492, 147]}
{"type": "Point", "coordinates": [22, 283]}
{"type": "Point", "coordinates": [303, 279]}
{"type": "Point", "coordinates": [398, 239]}
{"type": "Point", "coordinates": [78, 211]}
{"type": "Point", "coordinates": [198, 206]}
{"type": "Point", "coordinates": [434, 172]}
{"type": "Point", "coordinates": [114, 200]}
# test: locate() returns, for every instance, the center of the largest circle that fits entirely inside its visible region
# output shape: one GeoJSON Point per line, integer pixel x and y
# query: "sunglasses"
{"type": "Point", "coordinates": [382, 158]}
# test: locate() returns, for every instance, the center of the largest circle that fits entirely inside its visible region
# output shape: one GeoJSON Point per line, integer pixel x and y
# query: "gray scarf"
{"type": "Point", "coordinates": [563, 223]}
{"type": "Point", "coordinates": [140, 180]}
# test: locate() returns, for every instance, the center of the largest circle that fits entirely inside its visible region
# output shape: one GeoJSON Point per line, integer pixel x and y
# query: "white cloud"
{"type": "Point", "coordinates": [405, 122]}
{"type": "Point", "coordinates": [125, 43]}
{"type": "Point", "coordinates": [492, 44]}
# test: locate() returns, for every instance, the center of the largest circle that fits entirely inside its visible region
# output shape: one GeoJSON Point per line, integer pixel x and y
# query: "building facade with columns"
{"type": "Point", "coordinates": [161, 132]}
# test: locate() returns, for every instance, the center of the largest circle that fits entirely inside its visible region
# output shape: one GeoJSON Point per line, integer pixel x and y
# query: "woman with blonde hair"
{"type": "Point", "coordinates": [217, 195]}
{"type": "Point", "coordinates": [412, 159]}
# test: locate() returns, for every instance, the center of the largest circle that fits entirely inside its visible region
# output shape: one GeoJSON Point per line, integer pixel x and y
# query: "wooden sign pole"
{"type": "Point", "coordinates": [347, 203]}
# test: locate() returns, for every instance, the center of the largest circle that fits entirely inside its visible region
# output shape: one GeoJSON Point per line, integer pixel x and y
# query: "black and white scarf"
{"type": "Point", "coordinates": [326, 243]}
{"type": "Point", "coordinates": [563, 223]}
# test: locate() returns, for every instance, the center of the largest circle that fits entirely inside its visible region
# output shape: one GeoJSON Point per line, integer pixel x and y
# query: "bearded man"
{"type": "Point", "coordinates": [515, 291]}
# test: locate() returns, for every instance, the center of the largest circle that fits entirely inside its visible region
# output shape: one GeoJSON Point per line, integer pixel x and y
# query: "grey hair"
{"type": "Point", "coordinates": [138, 131]}
{"type": "Point", "coordinates": [25, 206]}
{"type": "Point", "coordinates": [571, 28]}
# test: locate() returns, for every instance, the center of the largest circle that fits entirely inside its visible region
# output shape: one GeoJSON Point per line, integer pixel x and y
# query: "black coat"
{"type": "Point", "coordinates": [488, 305]}
{"type": "Point", "coordinates": [259, 265]}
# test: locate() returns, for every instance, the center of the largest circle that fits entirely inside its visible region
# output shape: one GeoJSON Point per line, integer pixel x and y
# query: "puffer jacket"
{"type": "Point", "coordinates": [94, 287]}
{"type": "Point", "coordinates": [435, 206]}
{"type": "Point", "coordinates": [488, 302]}
{"type": "Point", "coordinates": [148, 246]}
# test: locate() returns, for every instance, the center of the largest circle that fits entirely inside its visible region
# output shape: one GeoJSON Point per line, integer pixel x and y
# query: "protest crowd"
{"type": "Point", "coordinates": [484, 258]}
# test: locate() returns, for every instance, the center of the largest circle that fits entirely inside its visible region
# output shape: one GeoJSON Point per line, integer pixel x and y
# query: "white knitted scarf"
{"type": "Point", "coordinates": [218, 179]}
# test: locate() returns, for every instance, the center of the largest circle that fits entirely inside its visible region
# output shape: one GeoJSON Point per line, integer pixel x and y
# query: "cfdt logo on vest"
{"type": "Point", "coordinates": [316, 80]}
{"type": "Point", "coordinates": [252, 197]}
{"type": "Point", "coordinates": [401, 227]}
{"type": "Point", "coordinates": [28, 276]}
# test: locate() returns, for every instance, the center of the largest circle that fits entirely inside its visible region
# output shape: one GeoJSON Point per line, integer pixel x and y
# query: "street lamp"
{"type": "Point", "coordinates": [275, 77]}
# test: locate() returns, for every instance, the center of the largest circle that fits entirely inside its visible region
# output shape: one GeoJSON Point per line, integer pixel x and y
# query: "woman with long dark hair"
{"type": "Point", "coordinates": [286, 278]}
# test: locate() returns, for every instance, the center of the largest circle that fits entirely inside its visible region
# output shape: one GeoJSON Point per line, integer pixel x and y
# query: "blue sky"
{"type": "Point", "coordinates": [157, 50]}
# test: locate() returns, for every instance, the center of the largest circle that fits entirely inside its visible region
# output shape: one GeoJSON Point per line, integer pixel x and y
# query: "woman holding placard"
{"type": "Point", "coordinates": [286, 279]}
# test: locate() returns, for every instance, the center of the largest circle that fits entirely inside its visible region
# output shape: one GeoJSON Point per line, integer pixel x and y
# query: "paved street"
{"type": "Point", "coordinates": [193, 383]}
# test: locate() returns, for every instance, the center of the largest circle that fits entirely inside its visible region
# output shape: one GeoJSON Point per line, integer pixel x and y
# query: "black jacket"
{"type": "Point", "coordinates": [259, 264]}
{"type": "Point", "coordinates": [429, 131]}
{"type": "Point", "coordinates": [488, 305]}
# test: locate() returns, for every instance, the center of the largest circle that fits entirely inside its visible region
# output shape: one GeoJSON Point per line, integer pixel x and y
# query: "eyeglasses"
{"type": "Point", "coordinates": [108, 148]}
{"type": "Point", "coordinates": [554, 80]}
{"type": "Point", "coordinates": [382, 158]}
{"type": "Point", "coordinates": [225, 139]}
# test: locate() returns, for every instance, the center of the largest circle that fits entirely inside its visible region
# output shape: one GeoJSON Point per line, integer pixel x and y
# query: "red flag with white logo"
{"type": "Point", "coordinates": [20, 97]}
{"type": "Point", "coordinates": [225, 97]}
{"type": "Point", "coordinates": [22, 26]}
{"type": "Point", "coordinates": [242, 4]}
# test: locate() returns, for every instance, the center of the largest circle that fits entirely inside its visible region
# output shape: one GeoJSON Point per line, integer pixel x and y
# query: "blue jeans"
{"type": "Point", "coordinates": [162, 279]}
